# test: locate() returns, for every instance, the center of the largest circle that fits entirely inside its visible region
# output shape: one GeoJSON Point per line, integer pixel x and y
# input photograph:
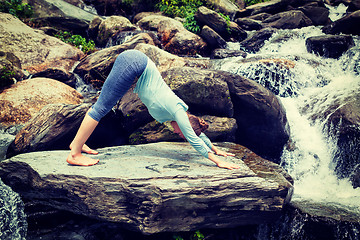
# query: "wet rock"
{"type": "Point", "coordinates": [73, 25]}
{"type": "Point", "coordinates": [255, 42]}
{"type": "Point", "coordinates": [352, 60]}
{"type": "Point", "coordinates": [111, 25]}
{"type": "Point", "coordinates": [342, 119]}
{"type": "Point", "coordinates": [311, 220]}
{"type": "Point", "coordinates": [288, 20]}
{"type": "Point", "coordinates": [174, 37]}
{"type": "Point", "coordinates": [271, 7]}
{"type": "Point", "coordinates": [331, 46]}
{"type": "Point", "coordinates": [212, 19]}
{"type": "Point", "coordinates": [13, 223]}
{"type": "Point", "coordinates": [5, 141]}
{"type": "Point", "coordinates": [36, 50]}
{"type": "Point", "coordinates": [95, 67]}
{"type": "Point", "coordinates": [318, 15]}
{"type": "Point", "coordinates": [260, 16]}
{"type": "Point", "coordinates": [57, 74]}
{"type": "Point", "coordinates": [355, 177]}
{"type": "Point", "coordinates": [346, 25]}
{"type": "Point", "coordinates": [154, 132]}
{"type": "Point", "coordinates": [275, 74]}
{"type": "Point", "coordinates": [225, 53]}
{"type": "Point", "coordinates": [213, 39]}
{"type": "Point", "coordinates": [204, 91]}
{"type": "Point", "coordinates": [225, 6]}
{"type": "Point", "coordinates": [354, 5]}
{"type": "Point", "coordinates": [94, 27]}
{"type": "Point", "coordinates": [134, 112]}
{"type": "Point", "coordinates": [10, 69]}
{"type": "Point", "coordinates": [22, 101]}
{"type": "Point", "coordinates": [249, 24]}
{"type": "Point", "coordinates": [221, 129]}
{"type": "Point", "coordinates": [123, 36]}
{"type": "Point", "coordinates": [54, 124]}
{"type": "Point", "coordinates": [259, 115]}
{"type": "Point", "coordinates": [235, 32]}
{"type": "Point", "coordinates": [155, 187]}
{"type": "Point", "coordinates": [183, 43]}
{"type": "Point", "coordinates": [59, 8]}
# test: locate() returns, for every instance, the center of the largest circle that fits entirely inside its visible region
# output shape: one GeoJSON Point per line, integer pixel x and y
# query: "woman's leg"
{"type": "Point", "coordinates": [128, 65]}
{"type": "Point", "coordinates": [75, 157]}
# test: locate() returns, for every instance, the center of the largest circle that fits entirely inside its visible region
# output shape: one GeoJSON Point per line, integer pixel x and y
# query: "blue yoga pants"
{"type": "Point", "coordinates": [128, 66]}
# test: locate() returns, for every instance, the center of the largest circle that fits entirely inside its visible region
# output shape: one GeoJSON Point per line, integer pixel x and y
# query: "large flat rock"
{"type": "Point", "coordinates": [155, 187]}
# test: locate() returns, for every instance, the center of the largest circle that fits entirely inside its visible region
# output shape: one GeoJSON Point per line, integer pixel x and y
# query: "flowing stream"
{"type": "Point", "coordinates": [300, 78]}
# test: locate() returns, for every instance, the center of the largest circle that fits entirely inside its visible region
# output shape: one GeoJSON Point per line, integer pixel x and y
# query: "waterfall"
{"type": "Point", "coordinates": [13, 223]}
{"type": "Point", "coordinates": [299, 78]}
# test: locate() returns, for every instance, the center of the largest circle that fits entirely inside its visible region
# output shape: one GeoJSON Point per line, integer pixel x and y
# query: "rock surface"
{"type": "Point", "coordinates": [36, 50]}
{"type": "Point", "coordinates": [52, 124]}
{"type": "Point", "coordinates": [331, 46]}
{"type": "Point", "coordinates": [155, 187]}
{"type": "Point", "coordinates": [20, 102]}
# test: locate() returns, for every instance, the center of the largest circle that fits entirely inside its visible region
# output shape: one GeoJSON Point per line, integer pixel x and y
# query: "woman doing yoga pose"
{"type": "Point", "coordinates": [161, 101]}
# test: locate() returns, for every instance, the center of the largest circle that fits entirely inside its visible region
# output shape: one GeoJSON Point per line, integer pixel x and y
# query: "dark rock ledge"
{"type": "Point", "coordinates": [152, 188]}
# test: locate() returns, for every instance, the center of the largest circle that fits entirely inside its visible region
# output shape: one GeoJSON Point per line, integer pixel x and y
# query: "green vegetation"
{"type": "Point", "coordinates": [77, 40]}
{"type": "Point", "coordinates": [227, 19]}
{"type": "Point", "coordinates": [252, 2]}
{"type": "Point", "coordinates": [184, 9]}
{"type": "Point", "coordinates": [195, 236]}
{"type": "Point", "coordinates": [17, 8]}
{"type": "Point", "coordinates": [191, 24]}
{"type": "Point", "coordinates": [6, 77]}
{"type": "Point", "coordinates": [179, 8]}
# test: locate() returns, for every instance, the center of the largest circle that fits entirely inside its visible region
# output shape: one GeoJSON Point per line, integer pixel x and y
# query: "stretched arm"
{"type": "Point", "coordinates": [213, 148]}
{"type": "Point", "coordinates": [202, 143]}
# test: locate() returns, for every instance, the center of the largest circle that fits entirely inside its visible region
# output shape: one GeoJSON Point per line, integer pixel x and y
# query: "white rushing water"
{"type": "Point", "coordinates": [311, 161]}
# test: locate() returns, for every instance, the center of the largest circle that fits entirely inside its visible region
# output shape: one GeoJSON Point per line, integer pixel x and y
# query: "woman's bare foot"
{"type": "Point", "coordinates": [81, 160]}
{"type": "Point", "coordinates": [86, 149]}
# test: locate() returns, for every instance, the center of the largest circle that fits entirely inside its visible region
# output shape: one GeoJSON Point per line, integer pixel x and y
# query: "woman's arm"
{"type": "Point", "coordinates": [213, 148]}
{"type": "Point", "coordinates": [183, 122]}
{"type": "Point", "coordinates": [202, 144]}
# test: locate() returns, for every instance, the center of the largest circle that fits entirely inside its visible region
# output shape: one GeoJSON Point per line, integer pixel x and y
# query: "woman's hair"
{"type": "Point", "coordinates": [198, 124]}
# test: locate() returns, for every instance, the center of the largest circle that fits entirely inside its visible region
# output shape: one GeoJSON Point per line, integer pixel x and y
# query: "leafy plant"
{"type": "Point", "coordinates": [252, 2]}
{"type": "Point", "coordinates": [227, 19]}
{"type": "Point", "coordinates": [77, 40]}
{"type": "Point", "coordinates": [6, 76]}
{"type": "Point", "coordinates": [197, 236]}
{"type": "Point", "coordinates": [191, 24]}
{"type": "Point", "coordinates": [17, 8]}
{"type": "Point", "coordinates": [177, 237]}
{"type": "Point", "coordinates": [179, 8]}
{"type": "Point", "coordinates": [184, 9]}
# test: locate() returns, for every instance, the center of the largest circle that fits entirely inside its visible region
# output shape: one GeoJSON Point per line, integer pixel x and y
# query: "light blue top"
{"type": "Point", "coordinates": [164, 105]}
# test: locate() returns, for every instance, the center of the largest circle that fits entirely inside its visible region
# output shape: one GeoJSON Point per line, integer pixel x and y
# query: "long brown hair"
{"type": "Point", "coordinates": [198, 124]}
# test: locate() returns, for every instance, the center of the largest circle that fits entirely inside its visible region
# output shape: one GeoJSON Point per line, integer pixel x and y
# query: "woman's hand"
{"type": "Point", "coordinates": [223, 153]}
{"type": "Point", "coordinates": [223, 164]}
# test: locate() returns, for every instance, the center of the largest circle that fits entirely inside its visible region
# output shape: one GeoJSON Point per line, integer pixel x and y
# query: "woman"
{"type": "Point", "coordinates": [161, 101]}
